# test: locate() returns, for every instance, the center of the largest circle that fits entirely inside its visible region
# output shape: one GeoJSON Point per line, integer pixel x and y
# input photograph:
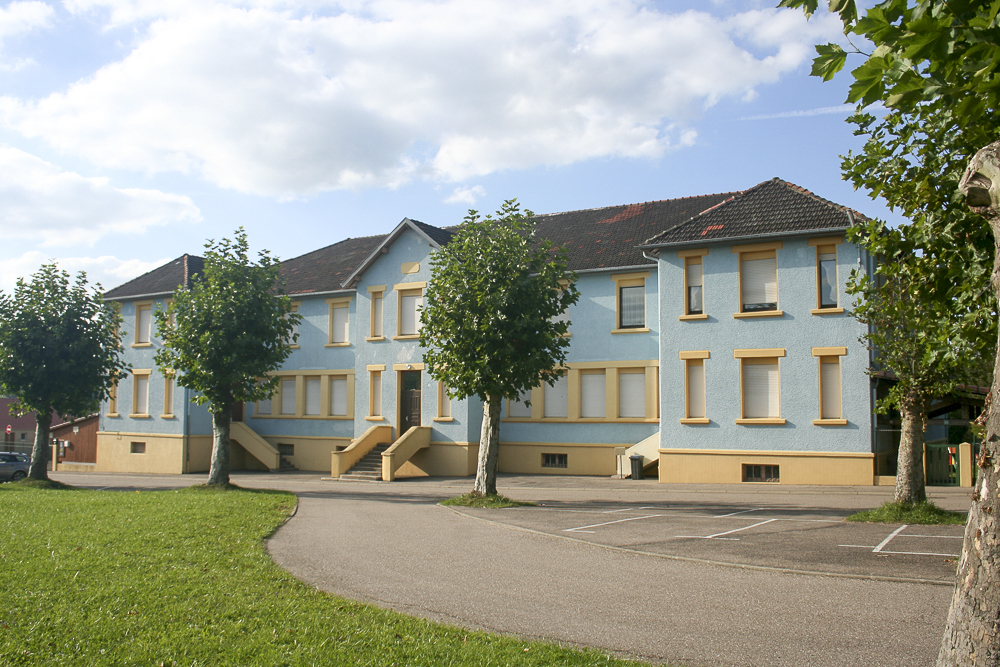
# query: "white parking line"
{"type": "Point", "coordinates": [629, 509]}
{"type": "Point", "coordinates": [723, 516]}
{"type": "Point", "coordinates": [719, 535]}
{"type": "Point", "coordinates": [606, 523]}
{"type": "Point", "coordinates": [889, 539]}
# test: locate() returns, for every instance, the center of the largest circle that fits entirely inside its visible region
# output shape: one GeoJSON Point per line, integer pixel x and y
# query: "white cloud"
{"type": "Point", "coordinates": [107, 270]}
{"type": "Point", "coordinates": [40, 202]}
{"type": "Point", "coordinates": [18, 18]}
{"type": "Point", "coordinates": [466, 195]}
{"type": "Point", "coordinates": [843, 109]}
{"type": "Point", "coordinates": [267, 98]}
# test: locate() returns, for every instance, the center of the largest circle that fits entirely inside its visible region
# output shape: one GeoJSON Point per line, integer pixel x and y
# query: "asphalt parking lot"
{"type": "Point", "coordinates": [814, 540]}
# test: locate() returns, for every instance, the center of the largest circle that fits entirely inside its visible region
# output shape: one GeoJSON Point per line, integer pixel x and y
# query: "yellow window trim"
{"type": "Point", "coordinates": [693, 252]}
{"type": "Point", "coordinates": [375, 367]}
{"type": "Point", "coordinates": [593, 365]}
{"type": "Point", "coordinates": [337, 344]}
{"type": "Point", "coordinates": [630, 331]}
{"type": "Point", "coordinates": [762, 313]}
{"type": "Point", "coordinates": [374, 339]}
{"type": "Point", "coordinates": [696, 422]}
{"type": "Point", "coordinates": [757, 247]}
{"type": "Point", "coordinates": [826, 311]}
{"type": "Point", "coordinates": [830, 422]}
{"type": "Point", "coordinates": [346, 300]}
{"type": "Point", "coordinates": [694, 354]}
{"type": "Point", "coordinates": [826, 240]}
{"type": "Point", "coordinates": [407, 337]}
{"type": "Point", "coordinates": [762, 421]}
{"type": "Point", "coordinates": [399, 287]}
{"type": "Point", "coordinates": [829, 351]}
{"type": "Point", "coordinates": [412, 366]}
{"type": "Point", "coordinates": [639, 275]}
{"type": "Point", "coordinates": [376, 288]}
{"type": "Point", "coordinates": [759, 353]}
{"type": "Point", "coordinates": [690, 318]}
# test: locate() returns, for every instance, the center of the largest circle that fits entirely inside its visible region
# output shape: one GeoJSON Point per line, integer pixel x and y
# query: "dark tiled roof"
{"type": "Point", "coordinates": [772, 208]}
{"type": "Point", "coordinates": [440, 235]}
{"type": "Point", "coordinates": [325, 270]}
{"type": "Point", "coordinates": [161, 280]}
{"type": "Point", "coordinates": [602, 238]}
{"type": "Point", "coordinates": [25, 422]}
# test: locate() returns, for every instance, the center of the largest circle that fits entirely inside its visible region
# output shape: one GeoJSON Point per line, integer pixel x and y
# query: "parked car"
{"type": "Point", "coordinates": [13, 466]}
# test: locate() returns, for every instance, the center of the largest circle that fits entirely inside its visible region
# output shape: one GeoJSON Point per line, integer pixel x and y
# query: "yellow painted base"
{"type": "Point", "coordinates": [716, 466]}
{"type": "Point", "coordinates": [581, 459]}
{"type": "Point", "coordinates": [442, 459]}
{"type": "Point", "coordinates": [71, 466]}
{"type": "Point", "coordinates": [164, 453]}
{"type": "Point", "coordinates": [310, 453]}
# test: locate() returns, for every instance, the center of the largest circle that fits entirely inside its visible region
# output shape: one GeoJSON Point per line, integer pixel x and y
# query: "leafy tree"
{"type": "Point", "coordinates": [935, 66]}
{"type": "Point", "coordinates": [61, 351]}
{"type": "Point", "coordinates": [489, 318]}
{"type": "Point", "coordinates": [224, 335]}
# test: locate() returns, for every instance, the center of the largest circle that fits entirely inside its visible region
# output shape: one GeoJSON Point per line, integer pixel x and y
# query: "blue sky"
{"type": "Point", "coordinates": [133, 130]}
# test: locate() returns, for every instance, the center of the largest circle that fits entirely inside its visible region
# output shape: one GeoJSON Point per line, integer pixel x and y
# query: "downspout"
{"type": "Point", "coordinates": [186, 448]}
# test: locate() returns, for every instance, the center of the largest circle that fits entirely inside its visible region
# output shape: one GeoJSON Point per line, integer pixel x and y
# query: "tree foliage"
{"type": "Point", "coordinates": [224, 335]}
{"type": "Point", "coordinates": [60, 351]}
{"type": "Point", "coordinates": [490, 324]}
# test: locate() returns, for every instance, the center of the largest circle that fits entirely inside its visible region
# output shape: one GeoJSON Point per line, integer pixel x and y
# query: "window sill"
{"type": "Point", "coordinates": [407, 337]}
{"type": "Point", "coordinates": [142, 415]}
{"type": "Point", "coordinates": [582, 420]}
{"type": "Point", "coordinates": [112, 414]}
{"type": "Point", "coordinates": [168, 416]}
{"type": "Point", "coordinates": [444, 419]}
{"type": "Point", "coordinates": [689, 318]}
{"type": "Point", "coordinates": [826, 311]}
{"type": "Point", "coordinates": [696, 421]}
{"type": "Point", "coordinates": [379, 418]}
{"type": "Point", "coordinates": [829, 422]}
{"type": "Point", "coordinates": [762, 313]}
{"type": "Point", "coordinates": [374, 339]}
{"type": "Point", "coordinates": [337, 345]}
{"type": "Point", "coordinates": [142, 345]}
{"type": "Point", "coordinates": [763, 422]}
{"type": "Point", "coordinates": [293, 347]}
{"type": "Point", "coordinates": [628, 331]}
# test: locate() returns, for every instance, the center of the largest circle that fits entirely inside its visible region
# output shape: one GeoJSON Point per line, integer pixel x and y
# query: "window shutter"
{"type": "Point", "coordinates": [377, 315]}
{"type": "Point", "coordinates": [141, 394]}
{"type": "Point", "coordinates": [518, 408]}
{"type": "Point", "coordinates": [264, 407]}
{"type": "Point", "coordinates": [632, 395]}
{"type": "Point", "coordinates": [760, 284]}
{"type": "Point", "coordinates": [288, 397]}
{"type": "Point", "coordinates": [557, 398]}
{"type": "Point", "coordinates": [829, 369]}
{"type": "Point", "coordinates": [340, 322]}
{"type": "Point", "coordinates": [144, 325]}
{"type": "Point", "coordinates": [312, 396]}
{"type": "Point", "coordinates": [695, 389]}
{"type": "Point", "coordinates": [376, 406]}
{"type": "Point", "coordinates": [408, 324]}
{"type": "Point", "coordinates": [338, 397]}
{"type": "Point", "coordinates": [760, 390]}
{"type": "Point", "coordinates": [592, 391]}
{"type": "Point", "coordinates": [633, 307]}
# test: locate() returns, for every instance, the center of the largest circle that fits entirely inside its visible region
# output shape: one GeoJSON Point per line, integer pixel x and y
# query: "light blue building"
{"type": "Point", "coordinates": [658, 364]}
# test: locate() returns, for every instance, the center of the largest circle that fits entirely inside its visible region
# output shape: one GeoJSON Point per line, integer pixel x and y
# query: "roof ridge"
{"type": "Point", "coordinates": [640, 203]}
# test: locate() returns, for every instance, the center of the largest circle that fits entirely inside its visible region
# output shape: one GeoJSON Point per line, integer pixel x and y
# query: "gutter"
{"type": "Point", "coordinates": [734, 239]}
{"type": "Point", "coordinates": [136, 296]}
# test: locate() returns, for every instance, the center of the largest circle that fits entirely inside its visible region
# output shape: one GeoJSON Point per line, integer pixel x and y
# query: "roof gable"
{"type": "Point", "coordinates": [772, 208]}
{"type": "Point", "coordinates": [436, 236]}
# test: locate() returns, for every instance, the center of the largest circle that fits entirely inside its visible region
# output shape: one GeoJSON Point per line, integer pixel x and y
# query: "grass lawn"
{"type": "Point", "coordinates": [479, 500]}
{"type": "Point", "coordinates": [925, 513]}
{"type": "Point", "coordinates": [182, 578]}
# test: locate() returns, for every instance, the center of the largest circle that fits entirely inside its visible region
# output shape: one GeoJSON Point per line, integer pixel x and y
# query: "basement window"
{"type": "Point", "coordinates": [554, 460]}
{"type": "Point", "coordinates": [286, 450]}
{"type": "Point", "coordinates": [138, 448]}
{"type": "Point", "coordinates": [761, 473]}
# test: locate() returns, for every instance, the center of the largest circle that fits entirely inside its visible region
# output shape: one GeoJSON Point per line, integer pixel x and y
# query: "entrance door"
{"type": "Point", "coordinates": [409, 400]}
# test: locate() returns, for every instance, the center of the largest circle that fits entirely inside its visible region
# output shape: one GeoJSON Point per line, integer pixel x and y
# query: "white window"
{"type": "Point", "coordinates": [288, 396]}
{"type": "Point", "coordinates": [519, 408]}
{"type": "Point", "coordinates": [444, 403]}
{"type": "Point", "coordinates": [632, 393]}
{"type": "Point", "coordinates": [339, 321]}
{"type": "Point", "coordinates": [263, 407]}
{"type": "Point", "coordinates": [760, 389]}
{"type": "Point", "coordinates": [758, 281]}
{"type": "Point", "coordinates": [338, 396]}
{"type": "Point", "coordinates": [632, 307]}
{"type": "Point", "coordinates": [168, 396]}
{"type": "Point", "coordinates": [376, 331]}
{"type": "Point", "coordinates": [140, 395]}
{"type": "Point", "coordinates": [593, 394]}
{"type": "Point", "coordinates": [694, 280]}
{"type": "Point", "coordinates": [695, 389]}
{"type": "Point", "coordinates": [556, 398]}
{"type": "Point", "coordinates": [313, 401]}
{"type": "Point", "coordinates": [375, 397]}
{"type": "Point", "coordinates": [827, 274]}
{"type": "Point", "coordinates": [829, 388]}
{"type": "Point", "coordinates": [410, 303]}
{"type": "Point", "coordinates": [143, 323]}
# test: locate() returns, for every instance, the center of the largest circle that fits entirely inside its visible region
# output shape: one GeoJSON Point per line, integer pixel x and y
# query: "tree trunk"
{"type": "Point", "coordinates": [489, 448]}
{"type": "Point", "coordinates": [910, 461]}
{"type": "Point", "coordinates": [972, 634]}
{"type": "Point", "coordinates": [218, 474]}
{"type": "Point", "coordinates": [41, 451]}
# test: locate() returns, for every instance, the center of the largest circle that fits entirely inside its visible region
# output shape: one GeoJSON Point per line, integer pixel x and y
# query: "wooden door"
{"type": "Point", "coordinates": [409, 400]}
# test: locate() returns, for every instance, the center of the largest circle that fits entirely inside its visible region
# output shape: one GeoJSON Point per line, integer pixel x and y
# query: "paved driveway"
{"type": "Point", "coordinates": [638, 587]}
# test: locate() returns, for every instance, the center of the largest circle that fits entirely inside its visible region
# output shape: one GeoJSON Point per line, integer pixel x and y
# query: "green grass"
{"type": "Point", "coordinates": [182, 578]}
{"type": "Point", "coordinates": [481, 500]}
{"type": "Point", "coordinates": [925, 512]}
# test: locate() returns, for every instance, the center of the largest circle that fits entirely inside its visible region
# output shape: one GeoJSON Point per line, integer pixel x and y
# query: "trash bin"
{"type": "Point", "coordinates": [636, 460]}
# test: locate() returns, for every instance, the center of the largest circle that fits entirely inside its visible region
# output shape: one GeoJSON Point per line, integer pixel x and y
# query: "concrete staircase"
{"type": "Point", "coordinates": [369, 468]}
{"type": "Point", "coordinates": [285, 465]}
